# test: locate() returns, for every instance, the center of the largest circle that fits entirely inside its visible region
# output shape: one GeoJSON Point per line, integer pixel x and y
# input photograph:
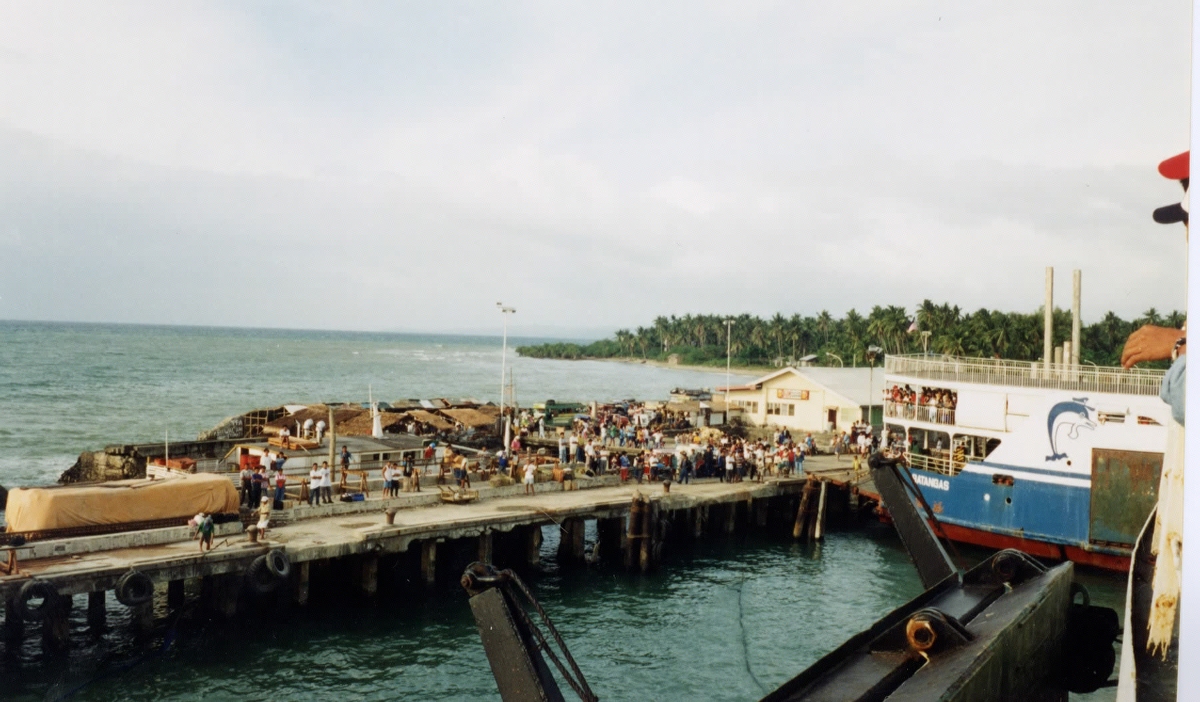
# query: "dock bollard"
{"type": "Point", "coordinates": [390, 514]}
{"type": "Point", "coordinates": [666, 486]}
{"type": "Point", "coordinates": [252, 530]}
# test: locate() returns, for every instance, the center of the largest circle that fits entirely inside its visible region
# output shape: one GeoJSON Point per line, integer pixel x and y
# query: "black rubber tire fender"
{"type": "Point", "coordinates": [278, 564]}
{"type": "Point", "coordinates": [259, 578]}
{"type": "Point", "coordinates": [134, 588]}
{"type": "Point", "coordinates": [31, 590]}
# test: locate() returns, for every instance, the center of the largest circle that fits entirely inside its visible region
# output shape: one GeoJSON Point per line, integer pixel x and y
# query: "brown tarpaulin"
{"type": "Point", "coordinates": [119, 501]}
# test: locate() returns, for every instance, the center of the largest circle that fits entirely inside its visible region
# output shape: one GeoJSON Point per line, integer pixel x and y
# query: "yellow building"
{"type": "Point", "coordinates": [811, 399]}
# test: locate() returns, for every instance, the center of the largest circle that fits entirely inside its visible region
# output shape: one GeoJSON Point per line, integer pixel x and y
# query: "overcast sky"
{"type": "Point", "coordinates": [403, 166]}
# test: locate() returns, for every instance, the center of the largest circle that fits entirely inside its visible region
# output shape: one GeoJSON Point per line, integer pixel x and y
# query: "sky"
{"type": "Point", "coordinates": [404, 166]}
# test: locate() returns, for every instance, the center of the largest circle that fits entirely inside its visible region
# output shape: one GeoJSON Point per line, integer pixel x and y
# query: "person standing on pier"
{"type": "Point", "coordinates": [256, 485]}
{"type": "Point", "coordinates": [530, 470]}
{"type": "Point", "coordinates": [280, 482]}
{"type": "Point", "coordinates": [326, 483]}
{"type": "Point", "coordinates": [573, 445]}
{"type": "Point", "coordinates": [314, 485]}
{"type": "Point", "coordinates": [387, 478]}
{"type": "Point", "coordinates": [246, 475]}
{"type": "Point", "coordinates": [264, 516]}
{"type": "Point", "coordinates": [345, 459]}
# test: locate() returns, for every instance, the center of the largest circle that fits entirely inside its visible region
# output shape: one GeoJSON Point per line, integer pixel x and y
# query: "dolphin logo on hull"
{"type": "Point", "coordinates": [1073, 416]}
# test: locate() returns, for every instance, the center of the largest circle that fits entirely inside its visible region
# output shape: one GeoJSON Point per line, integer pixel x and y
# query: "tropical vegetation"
{"type": "Point", "coordinates": [826, 340]}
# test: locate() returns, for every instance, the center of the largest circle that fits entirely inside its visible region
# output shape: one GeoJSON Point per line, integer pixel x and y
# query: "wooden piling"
{"type": "Point", "coordinates": [798, 528]}
{"type": "Point", "coordinates": [761, 511]}
{"type": "Point", "coordinates": [97, 613]}
{"type": "Point", "coordinates": [634, 533]}
{"type": "Point", "coordinates": [731, 517]}
{"type": "Point", "coordinates": [429, 562]}
{"type": "Point", "coordinates": [649, 530]}
{"type": "Point", "coordinates": [820, 521]}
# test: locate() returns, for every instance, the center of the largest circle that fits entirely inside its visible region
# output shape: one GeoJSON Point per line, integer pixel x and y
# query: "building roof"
{"type": "Point", "coordinates": [850, 383]}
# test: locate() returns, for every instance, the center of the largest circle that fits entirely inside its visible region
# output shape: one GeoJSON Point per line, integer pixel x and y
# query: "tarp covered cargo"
{"type": "Point", "coordinates": [471, 417]}
{"type": "Point", "coordinates": [119, 502]}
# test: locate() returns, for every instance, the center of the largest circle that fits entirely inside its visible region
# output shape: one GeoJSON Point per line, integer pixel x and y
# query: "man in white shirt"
{"type": "Point", "coordinates": [574, 446]}
{"type": "Point", "coordinates": [314, 485]}
{"type": "Point", "coordinates": [326, 483]}
{"type": "Point", "coordinates": [530, 469]}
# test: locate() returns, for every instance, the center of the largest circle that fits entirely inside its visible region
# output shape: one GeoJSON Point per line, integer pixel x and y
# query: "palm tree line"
{"type": "Point", "coordinates": [780, 340]}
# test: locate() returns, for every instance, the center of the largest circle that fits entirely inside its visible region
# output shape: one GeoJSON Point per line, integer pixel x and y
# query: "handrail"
{"type": "Point", "coordinates": [919, 412]}
{"type": "Point", "coordinates": [1058, 376]}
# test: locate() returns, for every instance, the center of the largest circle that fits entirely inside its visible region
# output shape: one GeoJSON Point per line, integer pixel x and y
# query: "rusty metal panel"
{"type": "Point", "coordinates": [1124, 490]}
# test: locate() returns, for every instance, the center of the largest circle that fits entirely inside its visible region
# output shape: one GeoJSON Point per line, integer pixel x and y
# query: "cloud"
{"type": "Point", "coordinates": [372, 166]}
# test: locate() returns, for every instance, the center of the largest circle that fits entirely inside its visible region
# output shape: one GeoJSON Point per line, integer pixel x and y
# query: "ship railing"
{"type": "Point", "coordinates": [934, 463]}
{"type": "Point", "coordinates": [918, 412]}
{"type": "Point", "coordinates": [1056, 376]}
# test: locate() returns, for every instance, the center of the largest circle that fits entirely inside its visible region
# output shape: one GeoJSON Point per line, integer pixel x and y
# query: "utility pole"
{"type": "Point", "coordinates": [503, 359]}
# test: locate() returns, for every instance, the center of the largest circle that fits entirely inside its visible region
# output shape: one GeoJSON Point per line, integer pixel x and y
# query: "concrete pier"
{"type": "Point", "coordinates": [347, 544]}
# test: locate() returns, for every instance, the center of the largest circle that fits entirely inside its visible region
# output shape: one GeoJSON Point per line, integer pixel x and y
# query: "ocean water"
{"type": "Point", "coordinates": [68, 388]}
{"type": "Point", "coordinates": [727, 619]}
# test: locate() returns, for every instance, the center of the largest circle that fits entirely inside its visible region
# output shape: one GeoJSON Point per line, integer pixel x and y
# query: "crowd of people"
{"type": "Point", "coordinates": [927, 404]}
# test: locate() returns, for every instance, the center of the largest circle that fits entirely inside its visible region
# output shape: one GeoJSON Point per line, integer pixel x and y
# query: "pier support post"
{"type": "Point", "coordinates": [56, 628]}
{"type": "Point", "coordinates": [220, 594]}
{"type": "Point", "coordinates": [649, 533]}
{"type": "Point", "coordinates": [634, 532]}
{"type": "Point", "coordinates": [760, 513]}
{"type": "Point", "coordinates": [300, 593]}
{"type": "Point", "coordinates": [819, 524]}
{"type": "Point", "coordinates": [142, 617]}
{"type": "Point", "coordinates": [97, 612]}
{"type": "Point", "coordinates": [485, 547]}
{"type": "Point", "coordinates": [429, 562]}
{"type": "Point", "coordinates": [798, 528]}
{"type": "Point", "coordinates": [731, 517]}
{"type": "Point", "coordinates": [175, 594]}
{"type": "Point", "coordinates": [701, 515]}
{"type": "Point", "coordinates": [571, 544]}
{"type": "Point", "coordinates": [533, 546]}
{"type": "Point", "coordinates": [608, 533]}
{"type": "Point", "coordinates": [370, 575]}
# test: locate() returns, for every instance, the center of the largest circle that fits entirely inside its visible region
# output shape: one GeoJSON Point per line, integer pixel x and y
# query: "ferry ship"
{"type": "Point", "coordinates": [1057, 460]}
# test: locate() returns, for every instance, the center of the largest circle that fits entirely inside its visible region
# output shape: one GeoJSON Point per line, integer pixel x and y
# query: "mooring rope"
{"type": "Point", "coordinates": [746, 644]}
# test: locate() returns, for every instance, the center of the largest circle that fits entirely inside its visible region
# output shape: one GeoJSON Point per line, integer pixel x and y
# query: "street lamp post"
{"type": "Point", "coordinates": [503, 359]}
{"type": "Point", "coordinates": [839, 359]}
{"type": "Point", "coordinates": [728, 359]}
